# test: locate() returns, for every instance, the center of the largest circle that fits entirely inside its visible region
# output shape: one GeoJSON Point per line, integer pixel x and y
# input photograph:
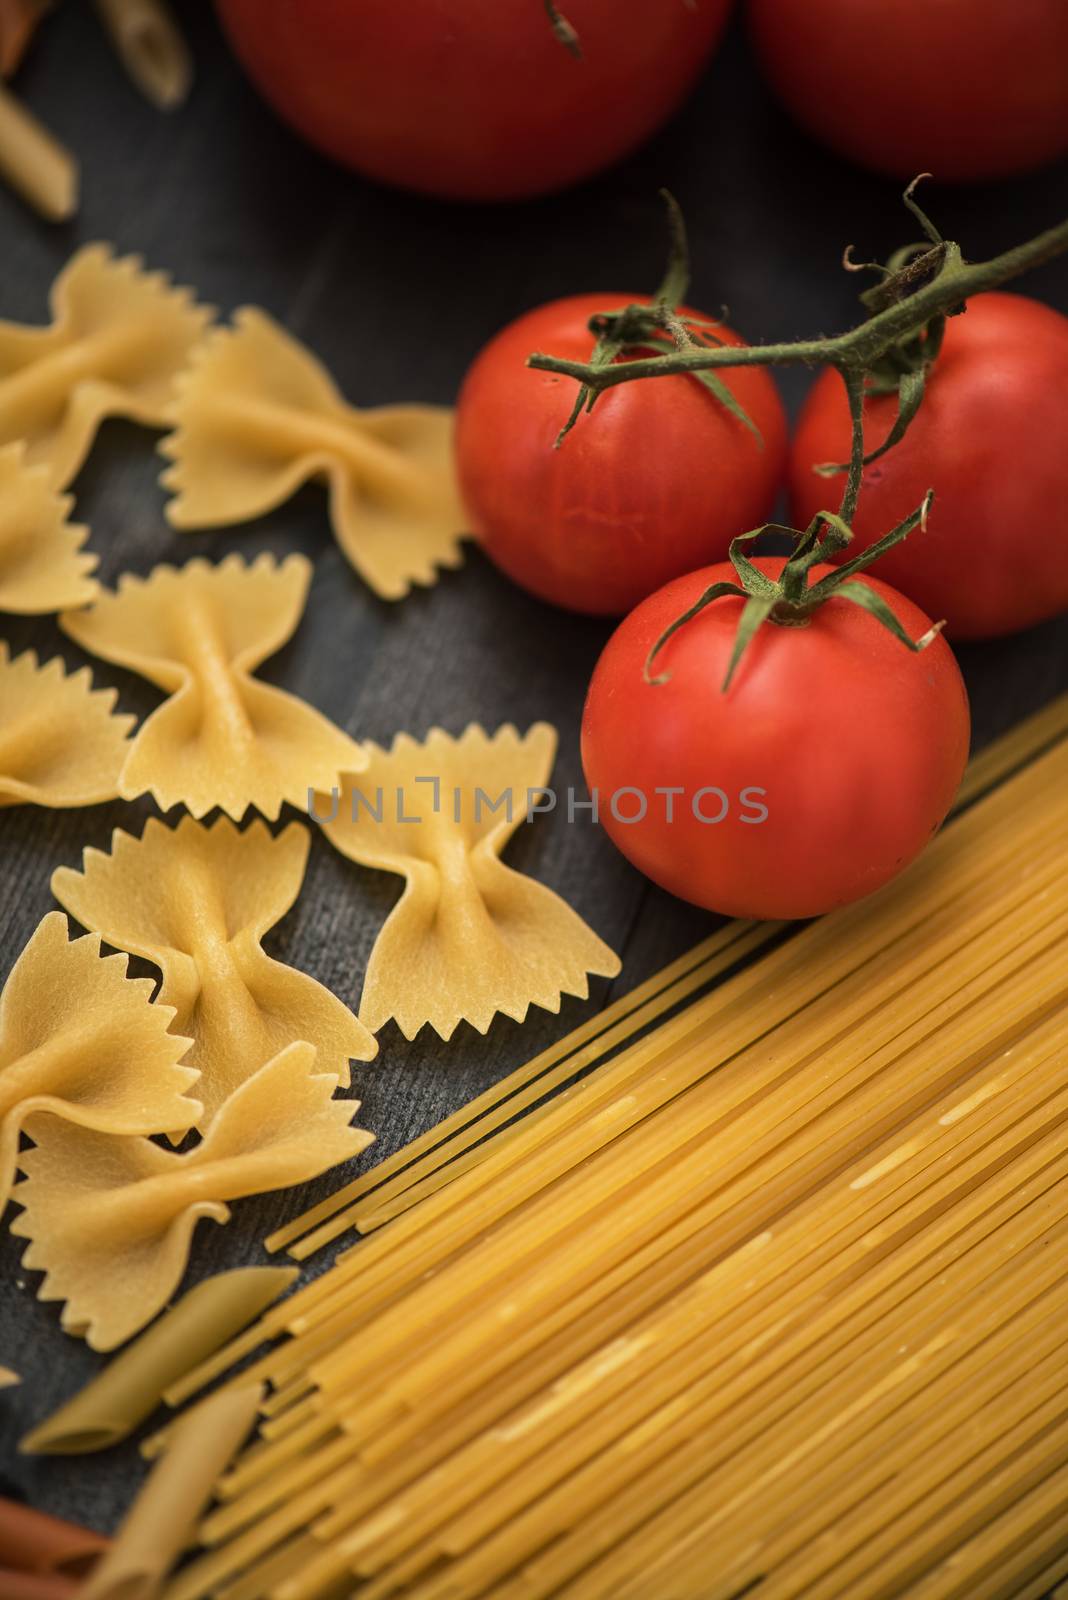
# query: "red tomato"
{"type": "Point", "coordinates": [989, 440]}
{"type": "Point", "coordinates": [656, 480]}
{"type": "Point", "coordinates": [961, 88]}
{"type": "Point", "coordinates": [819, 775]}
{"type": "Point", "coordinates": [473, 99]}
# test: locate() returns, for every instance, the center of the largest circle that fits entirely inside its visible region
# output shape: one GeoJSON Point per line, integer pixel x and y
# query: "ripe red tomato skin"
{"type": "Point", "coordinates": [473, 99]}
{"type": "Point", "coordinates": [859, 743]}
{"type": "Point", "coordinates": [966, 89]}
{"type": "Point", "coordinates": [656, 480]}
{"type": "Point", "coordinates": [987, 439]}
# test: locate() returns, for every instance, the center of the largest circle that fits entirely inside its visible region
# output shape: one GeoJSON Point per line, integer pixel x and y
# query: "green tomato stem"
{"type": "Point", "coordinates": [892, 350]}
{"type": "Point", "coordinates": [859, 349]}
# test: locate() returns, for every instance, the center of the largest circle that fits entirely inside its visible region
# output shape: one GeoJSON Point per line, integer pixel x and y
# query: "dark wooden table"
{"type": "Point", "coordinates": [398, 294]}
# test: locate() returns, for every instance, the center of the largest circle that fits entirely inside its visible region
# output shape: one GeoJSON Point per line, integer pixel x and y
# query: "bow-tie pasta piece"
{"type": "Point", "coordinates": [257, 415]}
{"type": "Point", "coordinates": [111, 1220]}
{"type": "Point", "coordinates": [222, 738]}
{"type": "Point", "coordinates": [81, 1039]}
{"type": "Point", "coordinates": [60, 742]}
{"type": "Point", "coordinates": [469, 936]}
{"type": "Point", "coordinates": [42, 564]}
{"type": "Point", "coordinates": [196, 902]}
{"type": "Point", "coordinates": [118, 339]}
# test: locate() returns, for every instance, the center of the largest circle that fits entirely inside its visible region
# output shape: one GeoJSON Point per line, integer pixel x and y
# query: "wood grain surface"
{"type": "Point", "coordinates": [397, 294]}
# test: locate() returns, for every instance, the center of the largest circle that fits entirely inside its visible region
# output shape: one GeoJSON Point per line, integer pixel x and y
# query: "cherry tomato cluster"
{"type": "Point", "coordinates": [854, 744]}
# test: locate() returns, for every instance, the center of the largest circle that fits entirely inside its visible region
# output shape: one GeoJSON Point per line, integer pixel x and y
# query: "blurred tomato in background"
{"type": "Point", "coordinates": [965, 89]}
{"type": "Point", "coordinates": [474, 99]}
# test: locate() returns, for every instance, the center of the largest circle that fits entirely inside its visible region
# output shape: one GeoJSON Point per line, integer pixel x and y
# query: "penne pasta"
{"type": "Point", "coordinates": [151, 47]}
{"type": "Point", "coordinates": [116, 1402]}
{"type": "Point", "coordinates": [34, 163]}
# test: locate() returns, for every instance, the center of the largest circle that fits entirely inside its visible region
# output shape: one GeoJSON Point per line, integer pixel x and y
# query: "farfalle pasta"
{"type": "Point", "coordinates": [118, 339]}
{"type": "Point", "coordinates": [196, 902]}
{"type": "Point", "coordinates": [43, 566]}
{"type": "Point", "coordinates": [469, 936]}
{"type": "Point", "coordinates": [111, 1220]}
{"type": "Point", "coordinates": [222, 738]}
{"type": "Point", "coordinates": [82, 1040]}
{"type": "Point", "coordinates": [61, 743]}
{"type": "Point", "coordinates": [257, 416]}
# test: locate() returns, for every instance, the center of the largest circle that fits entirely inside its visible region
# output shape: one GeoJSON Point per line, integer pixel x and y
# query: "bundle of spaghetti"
{"type": "Point", "coordinates": [336, 1290]}
{"type": "Point", "coordinates": [798, 1247]}
{"type": "Point", "coordinates": [535, 1081]}
{"type": "Point", "coordinates": [460, 1466]}
{"type": "Point", "coordinates": [410, 1247]}
{"type": "Point", "coordinates": [584, 1548]}
{"type": "Point", "coordinates": [392, 1182]}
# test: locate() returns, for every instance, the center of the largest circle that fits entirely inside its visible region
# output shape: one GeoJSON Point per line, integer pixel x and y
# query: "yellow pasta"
{"type": "Point", "coordinates": [162, 1518]}
{"type": "Point", "coordinates": [119, 1399]}
{"type": "Point", "coordinates": [222, 738]}
{"type": "Point", "coordinates": [774, 1299]}
{"type": "Point", "coordinates": [43, 566]}
{"type": "Point", "coordinates": [34, 163]}
{"type": "Point", "coordinates": [81, 1040]}
{"type": "Point", "coordinates": [444, 1152]}
{"type": "Point", "coordinates": [197, 902]}
{"type": "Point", "coordinates": [61, 742]}
{"type": "Point", "coordinates": [8, 1378]}
{"type": "Point", "coordinates": [111, 1221]}
{"type": "Point", "coordinates": [118, 339]}
{"type": "Point", "coordinates": [257, 416]}
{"type": "Point", "coordinates": [391, 1186]}
{"type": "Point", "coordinates": [151, 48]}
{"type": "Point", "coordinates": [470, 937]}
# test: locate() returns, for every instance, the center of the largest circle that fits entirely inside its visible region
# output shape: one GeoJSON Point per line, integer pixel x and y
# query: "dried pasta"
{"type": "Point", "coordinates": [18, 23]}
{"type": "Point", "coordinates": [80, 1039]}
{"type": "Point", "coordinates": [150, 46]}
{"type": "Point", "coordinates": [197, 902]}
{"type": "Point", "coordinates": [469, 937]}
{"type": "Point", "coordinates": [8, 1378]}
{"type": "Point", "coordinates": [773, 1299]}
{"type": "Point", "coordinates": [61, 742]}
{"type": "Point", "coordinates": [35, 164]}
{"type": "Point", "coordinates": [222, 738]}
{"type": "Point", "coordinates": [119, 1399]}
{"type": "Point", "coordinates": [118, 339]}
{"type": "Point", "coordinates": [400, 1174]}
{"type": "Point", "coordinates": [110, 1221]}
{"type": "Point", "coordinates": [257, 416]}
{"type": "Point", "coordinates": [15, 1585]}
{"type": "Point", "coordinates": [33, 1541]}
{"type": "Point", "coordinates": [162, 1518]}
{"type": "Point", "coordinates": [43, 566]}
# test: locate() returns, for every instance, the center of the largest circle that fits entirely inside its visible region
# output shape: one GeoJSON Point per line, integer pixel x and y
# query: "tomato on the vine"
{"type": "Point", "coordinates": [965, 89]}
{"type": "Point", "coordinates": [473, 99]}
{"type": "Point", "coordinates": [989, 440]}
{"type": "Point", "coordinates": [657, 479]}
{"type": "Point", "coordinates": [816, 777]}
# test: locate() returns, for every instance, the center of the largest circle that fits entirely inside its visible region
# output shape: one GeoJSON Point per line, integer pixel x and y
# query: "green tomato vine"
{"type": "Point", "coordinates": [891, 351]}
